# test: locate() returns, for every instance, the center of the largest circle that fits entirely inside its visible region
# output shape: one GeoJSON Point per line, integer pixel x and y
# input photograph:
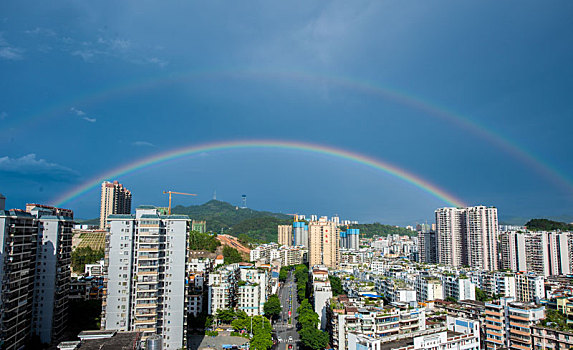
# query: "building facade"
{"type": "Point", "coordinates": [467, 236]}
{"type": "Point", "coordinates": [35, 248]}
{"type": "Point", "coordinates": [324, 243]}
{"type": "Point", "coordinates": [115, 199]}
{"type": "Point", "coordinates": [285, 235]}
{"type": "Point", "coordinates": [146, 259]}
{"type": "Point", "coordinates": [53, 274]}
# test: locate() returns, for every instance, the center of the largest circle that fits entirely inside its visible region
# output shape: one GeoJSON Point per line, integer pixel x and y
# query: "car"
{"type": "Point", "coordinates": [289, 338]}
{"type": "Point", "coordinates": [290, 346]}
{"type": "Point", "coordinates": [280, 340]}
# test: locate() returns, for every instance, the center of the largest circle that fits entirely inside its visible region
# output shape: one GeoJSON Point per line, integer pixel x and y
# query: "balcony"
{"type": "Point", "coordinates": [145, 305]}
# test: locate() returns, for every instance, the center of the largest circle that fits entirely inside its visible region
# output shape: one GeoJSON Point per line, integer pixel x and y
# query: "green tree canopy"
{"type": "Point", "coordinates": [273, 307]}
{"type": "Point", "coordinates": [548, 225]}
{"type": "Point", "coordinates": [203, 241]}
{"type": "Point", "coordinates": [226, 315]}
{"type": "Point", "coordinates": [313, 338]}
{"type": "Point", "coordinates": [83, 256]}
{"type": "Point", "coordinates": [481, 295]}
{"type": "Point", "coordinates": [336, 285]}
{"type": "Point", "coordinates": [231, 255]}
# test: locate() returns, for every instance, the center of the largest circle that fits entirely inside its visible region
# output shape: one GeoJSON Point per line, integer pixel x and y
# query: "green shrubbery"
{"type": "Point", "coordinates": [83, 256]}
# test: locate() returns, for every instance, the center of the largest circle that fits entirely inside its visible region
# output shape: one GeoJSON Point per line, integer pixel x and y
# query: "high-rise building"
{"type": "Point", "coordinates": [53, 274]}
{"type": "Point", "coordinates": [482, 232]}
{"type": "Point", "coordinates": [544, 253]}
{"type": "Point", "coordinates": [428, 247]}
{"type": "Point", "coordinates": [18, 235]}
{"type": "Point", "coordinates": [467, 236]}
{"type": "Point", "coordinates": [324, 243]}
{"type": "Point", "coordinates": [146, 260]}
{"type": "Point", "coordinates": [115, 199]}
{"type": "Point", "coordinates": [35, 248]}
{"type": "Point", "coordinates": [300, 233]}
{"type": "Point", "coordinates": [450, 228]}
{"type": "Point", "coordinates": [350, 239]}
{"type": "Point", "coordinates": [285, 235]}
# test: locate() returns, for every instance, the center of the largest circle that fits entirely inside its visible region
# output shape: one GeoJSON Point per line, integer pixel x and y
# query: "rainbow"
{"type": "Point", "coordinates": [485, 133]}
{"type": "Point", "coordinates": [261, 144]}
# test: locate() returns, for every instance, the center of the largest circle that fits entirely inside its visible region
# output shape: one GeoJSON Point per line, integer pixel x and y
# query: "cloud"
{"type": "Point", "coordinates": [158, 61]}
{"type": "Point", "coordinates": [143, 144]}
{"type": "Point", "coordinates": [82, 114]}
{"type": "Point", "coordinates": [40, 31]}
{"type": "Point", "coordinates": [9, 52]}
{"type": "Point", "coordinates": [86, 55]}
{"type": "Point", "coordinates": [116, 48]}
{"type": "Point", "coordinates": [39, 169]}
{"type": "Point", "coordinates": [3, 115]}
{"type": "Point", "coordinates": [78, 112]}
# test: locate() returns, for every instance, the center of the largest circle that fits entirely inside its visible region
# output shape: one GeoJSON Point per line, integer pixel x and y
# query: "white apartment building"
{"type": "Point", "coordinates": [459, 334]}
{"type": "Point", "coordinates": [482, 232]}
{"type": "Point", "coordinates": [35, 248]}
{"type": "Point", "coordinates": [494, 283]}
{"type": "Point", "coordinates": [544, 253]}
{"type": "Point", "coordinates": [467, 236]}
{"type": "Point", "coordinates": [529, 287]}
{"type": "Point", "coordinates": [450, 238]}
{"type": "Point", "coordinates": [429, 288]}
{"type": "Point", "coordinates": [223, 288]}
{"type": "Point", "coordinates": [53, 274]}
{"type": "Point", "coordinates": [396, 290]}
{"type": "Point", "coordinates": [18, 233]}
{"type": "Point", "coordinates": [460, 288]}
{"type": "Point", "coordinates": [322, 293]}
{"type": "Point", "coordinates": [147, 257]}
{"type": "Point", "coordinates": [254, 289]}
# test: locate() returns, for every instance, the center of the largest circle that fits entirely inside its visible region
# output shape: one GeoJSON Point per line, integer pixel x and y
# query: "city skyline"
{"type": "Point", "coordinates": [478, 106]}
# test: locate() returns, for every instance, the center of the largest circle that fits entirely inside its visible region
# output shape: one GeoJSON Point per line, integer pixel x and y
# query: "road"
{"type": "Point", "coordinates": [287, 296]}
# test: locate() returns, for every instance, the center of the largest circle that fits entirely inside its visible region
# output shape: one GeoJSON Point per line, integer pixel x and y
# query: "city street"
{"type": "Point", "coordinates": [289, 303]}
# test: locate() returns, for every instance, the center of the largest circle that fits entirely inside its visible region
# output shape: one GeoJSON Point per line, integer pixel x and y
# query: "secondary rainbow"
{"type": "Point", "coordinates": [262, 144]}
{"type": "Point", "coordinates": [487, 134]}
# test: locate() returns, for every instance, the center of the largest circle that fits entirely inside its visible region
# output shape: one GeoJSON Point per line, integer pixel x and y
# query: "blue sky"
{"type": "Point", "coordinates": [89, 86]}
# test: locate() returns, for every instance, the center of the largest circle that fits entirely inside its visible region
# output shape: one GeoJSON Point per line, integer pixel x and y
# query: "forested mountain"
{"type": "Point", "coordinates": [548, 225]}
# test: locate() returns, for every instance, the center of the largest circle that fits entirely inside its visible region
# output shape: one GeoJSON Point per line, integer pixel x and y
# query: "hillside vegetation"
{"type": "Point", "coordinates": [379, 229]}
{"type": "Point", "coordinates": [222, 216]}
{"type": "Point", "coordinates": [548, 225]}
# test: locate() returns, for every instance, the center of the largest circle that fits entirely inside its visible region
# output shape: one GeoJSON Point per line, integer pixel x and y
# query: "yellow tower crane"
{"type": "Point", "coordinates": [173, 192]}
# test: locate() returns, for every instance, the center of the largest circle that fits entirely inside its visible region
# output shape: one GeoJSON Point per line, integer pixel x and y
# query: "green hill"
{"type": "Point", "coordinates": [227, 218]}
{"type": "Point", "coordinates": [548, 225]}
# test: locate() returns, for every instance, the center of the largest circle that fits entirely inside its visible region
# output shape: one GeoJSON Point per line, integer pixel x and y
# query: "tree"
{"type": "Point", "coordinates": [272, 307]}
{"type": "Point", "coordinates": [481, 295]}
{"type": "Point", "coordinates": [232, 255]}
{"type": "Point", "coordinates": [283, 273]}
{"type": "Point", "coordinates": [262, 338]}
{"type": "Point", "coordinates": [85, 255]}
{"type": "Point", "coordinates": [336, 285]}
{"type": "Point", "coordinates": [203, 241]}
{"type": "Point", "coordinates": [313, 338]}
{"type": "Point", "coordinates": [452, 299]}
{"type": "Point", "coordinates": [226, 315]}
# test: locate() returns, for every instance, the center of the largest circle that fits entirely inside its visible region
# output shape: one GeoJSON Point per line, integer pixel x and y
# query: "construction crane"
{"type": "Point", "coordinates": [173, 192]}
{"type": "Point", "coordinates": [295, 217]}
